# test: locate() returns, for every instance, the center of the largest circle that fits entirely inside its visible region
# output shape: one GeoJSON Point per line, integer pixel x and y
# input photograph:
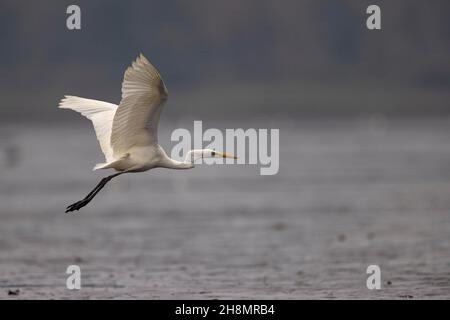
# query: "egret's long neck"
{"type": "Point", "coordinates": [188, 162]}
{"type": "Point", "coordinates": [174, 164]}
{"type": "Point", "coordinates": [193, 155]}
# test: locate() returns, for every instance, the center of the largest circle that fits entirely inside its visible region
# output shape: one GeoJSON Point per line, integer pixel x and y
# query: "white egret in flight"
{"type": "Point", "coordinates": [128, 132]}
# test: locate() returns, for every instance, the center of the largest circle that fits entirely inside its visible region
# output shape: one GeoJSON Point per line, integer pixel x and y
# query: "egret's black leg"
{"type": "Point", "coordinates": [80, 204]}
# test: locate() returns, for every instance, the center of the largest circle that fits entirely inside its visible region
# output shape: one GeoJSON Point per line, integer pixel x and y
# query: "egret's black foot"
{"type": "Point", "coordinates": [77, 205]}
{"type": "Point", "coordinates": [80, 204]}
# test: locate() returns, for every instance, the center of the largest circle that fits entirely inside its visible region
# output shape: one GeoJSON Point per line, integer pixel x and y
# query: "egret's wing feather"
{"type": "Point", "coordinates": [137, 117]}
{"type": "Point", "coordinates": [100, 113]}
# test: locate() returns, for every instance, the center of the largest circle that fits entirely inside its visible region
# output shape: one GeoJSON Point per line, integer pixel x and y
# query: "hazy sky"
{"type": "Point", "coordinates": [217, 43]}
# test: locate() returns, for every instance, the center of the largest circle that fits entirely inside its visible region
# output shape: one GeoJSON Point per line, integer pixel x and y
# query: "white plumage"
{"type": "Point", "coordinates": [100, 113]}
{"type": "Point", "coordinates": [143, 96]}
{"type": "Point", "coordinates": [128, 133]}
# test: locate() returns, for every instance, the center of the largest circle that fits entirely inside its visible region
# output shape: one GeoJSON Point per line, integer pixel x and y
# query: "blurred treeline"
{"type": "Point", "coordinates": [231, 58]}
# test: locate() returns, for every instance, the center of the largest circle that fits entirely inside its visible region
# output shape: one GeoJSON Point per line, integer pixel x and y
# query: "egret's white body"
{"type": "Point", "coordinates": [127, 132]}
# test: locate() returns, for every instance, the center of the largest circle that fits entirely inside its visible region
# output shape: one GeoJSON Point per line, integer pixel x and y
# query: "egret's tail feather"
{"type": "Point", "coordinates": [111, 165]}
{"type": "Point", "coordinates": [100, 113]}
{"type": "Point", "coordinates": [105, 165]}
{"type": "Point", "coordinates": [99, 166]}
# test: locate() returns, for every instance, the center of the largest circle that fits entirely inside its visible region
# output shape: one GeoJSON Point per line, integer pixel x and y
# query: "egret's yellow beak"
{"type": "Point", "coordinates": [225, 155]}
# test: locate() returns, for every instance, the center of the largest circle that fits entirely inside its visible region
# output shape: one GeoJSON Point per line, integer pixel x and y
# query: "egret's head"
{"type": "Point", "coordinates": [210, 153]}
{"type": "Point", "coordinates": [197, 154]}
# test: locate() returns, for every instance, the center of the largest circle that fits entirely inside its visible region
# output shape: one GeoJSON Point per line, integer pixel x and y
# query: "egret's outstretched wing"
{"type": "Point", "coordinates": [143, 96]}
{"type": "Point", "coordinates": [100, 113]}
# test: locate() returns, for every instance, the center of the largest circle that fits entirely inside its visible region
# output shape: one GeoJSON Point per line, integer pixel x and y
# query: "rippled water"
{"type": "Point", "coordinates": [349, 194]}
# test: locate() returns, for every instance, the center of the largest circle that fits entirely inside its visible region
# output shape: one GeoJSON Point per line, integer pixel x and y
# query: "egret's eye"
{"type": "Point", "coordinates": [213, 153]}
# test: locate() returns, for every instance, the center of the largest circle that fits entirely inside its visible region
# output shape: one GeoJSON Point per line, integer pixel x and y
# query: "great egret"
{"type": "Point", "coordinates": [128, 132]}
